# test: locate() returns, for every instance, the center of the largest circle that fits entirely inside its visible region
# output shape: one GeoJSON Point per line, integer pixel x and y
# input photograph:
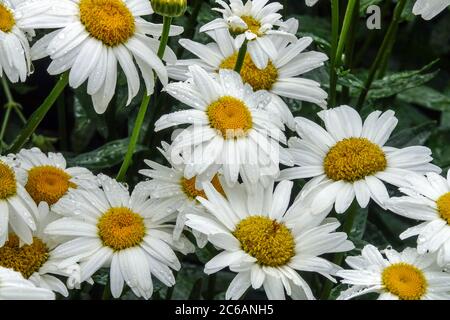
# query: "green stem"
{"type": "Point", "coordinates": [388, 38]}
{"type": "Point", "coordinates": [334, 45]}
{"type": "Point", "coordinates": [339, 257]}
{"type": "Point", "coordinates": [9, 105]}
{"type": "Point", "coordinates": [39, 114]}
{"type": "Point", "coordinates": [344, 33]}
{"type": "Point", "coordinates": [241, 57]}
{"type": "Point", "coordinates": [167, 21]}
{"type": "Point", "coordinates": [107, 290]}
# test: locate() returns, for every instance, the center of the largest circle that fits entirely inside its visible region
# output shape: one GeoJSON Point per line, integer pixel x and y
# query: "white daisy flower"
{"type": "Point", "coordinates": [17, 208]}
{"type": "Point", "coordinates": [428, 9]}
{"type": "Point", "coordinates": [229, 131]}
{"type": "Point", "coordinates": [48, 178]}
{"type": "Point", "coordinates": [128, 234]}
{"type": "Point", "coordinates": [15, 57]}
{"type": "Point", "coordinates": [14, 287]}
{"type": "Point", "coordinates": [279, 77]}
{"type": "Point", "coordinates": [405, 275]}
{"type": "Point", "coordinates": [92, 36]}
{"type": "Point", "coordinates": [265, 242]}
{"type": "Point", "coordinates": [349, 159]}
{"type": "Point", "coordinates": [169, 185]}
{"type": "Point", "coordinates": [36, 261]}
{"type": "Point", "coordinates": [427, 199]}
{"type": "Point", "coordinates": [253, 22]}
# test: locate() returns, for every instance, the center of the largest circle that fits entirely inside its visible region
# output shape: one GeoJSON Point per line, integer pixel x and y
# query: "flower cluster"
{"type": "Point", "coordinates": [231, 163]}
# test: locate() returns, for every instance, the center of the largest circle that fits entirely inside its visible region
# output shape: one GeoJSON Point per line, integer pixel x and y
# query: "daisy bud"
{"type": "Point", "coordinates": [169, 8]}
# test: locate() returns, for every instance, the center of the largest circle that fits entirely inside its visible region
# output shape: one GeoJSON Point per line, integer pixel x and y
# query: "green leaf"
{"type": "Point", "coordinates": [399, 82]}
{"type": "Point", "coordinates": [417, 135]}
{"type": "Point", "coordinates": [438, 143]}
{"type": "Point", "coordinates": [84, 100]}
{"type": "Point", "coordinates": [109, 155]}
{"type": "Point", "coordinates": [359, 224]}
{"type": "Point", "coordinates": [426, 97]}
{"type": "Point", "coordinates": [318, 28]}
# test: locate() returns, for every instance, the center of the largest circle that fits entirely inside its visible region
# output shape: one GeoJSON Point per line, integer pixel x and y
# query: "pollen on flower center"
{"type": "Point", "coordinates": [109, 21]}
{"type": "Point", "coordinates": [443, 206]}
{"type": "Point", "coordinates": [120, 228]}
{"type": "Point", "coordinates": [253, 26]}
{"type": "Point", "coordinates": [259, 79]}
{"type": "Point", "coordinates": [8, 187]}
{"type": "Point", "coordinates": [7, 20]}
{"type": "Point", "coordinates": [25, 259]}
{"type": "Point", "coordinates": [267, 240]}
{"type": "Point", "coordinates": [191, 192]}
{"type": "Point", "coordinates": [405, 281]}
{"type": "Point", "coordinates": [353, 159]}
{"type": "Point", "coordinates": [48, 183]}
{"type": "Point", "coordinates": [230, 116]}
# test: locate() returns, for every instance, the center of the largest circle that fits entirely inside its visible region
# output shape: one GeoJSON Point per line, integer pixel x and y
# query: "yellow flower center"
{"type": "Point", "coordinates": [48, 183]}
{"type": "Point", "coordinates": [405, 281]}
{"type": "Point", "coordinates": [259, 79]}
{"type": "Point", "coordinates": [230, 116]}
{"type": "Point", "coordinates": [121, 228]}
{"type": "Point", "coordinates": [8, 187]}
{"type": "Point", "coordinates": [109, 21]}
{"type": "Point", "coordinates": [26, 259]}
{"type": "Point", "coordinates": [191, 192]}
{"type": "Point", "coordinates": [253, 26]}
{"type": "Point", "coordinates": [7, 20]}
{"type": "Point", "coordinates": [443, 205]}
{"type": "Point", "coordinates": [354, 159]}
{"type": "Point", "coordinates": [267, 240]}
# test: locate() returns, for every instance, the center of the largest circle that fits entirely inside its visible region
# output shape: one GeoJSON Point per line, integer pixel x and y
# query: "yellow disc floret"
{"type": "Point", "coordinates": [353, 159]}
{"type": "Point", "coordinates": [7, 20]}
{"type": "Point", "coordinates": [253, 26]}
{"type": "Point", "coordinates": [8, 186]}
{"type": "Point", "coordinates": [48, 183]}
{"type": "Point", "coordinates": [109, 21]}
{"type": "Point", "coordinates": [443, 206]}
{"type": "Point", "coordinates": [191, 192]}
{"type": "Point", "coordinates": [259, 79]}
{"type": "Point", "coordinates": [26, 259]}
{"type": "Point", "coordinates": [405, 281]}
{"type": "Point", "coordinates": [230, 116]}
{"type": "Point", "coordinates": [267, 240]}
{"type": "Point", "coordinates": [120, 228]}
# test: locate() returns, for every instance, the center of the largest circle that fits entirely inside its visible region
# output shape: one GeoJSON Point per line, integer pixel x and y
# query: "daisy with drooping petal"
{"type": "Point", "coordinates": [230, 130]}
{"type": "Point", "coordinates": [427, 199]}
{"type": "Point", "coordinates": [17, 208]}
{"type": "Point", "coordinates": [169, 185]}
{"type": "Point", "coordinates": [14, 287]}
{"type": "Point", "coordinates": [265, 242]}
{"type": "Point", "coordinates": [405, 275]}
{"type": "Point", "coordinates": [350, 159]}
{"type": "Point", "coordinates": [48, 178]}
{"type": "Point", "coordinates": [36, 261]}
{"type": "Point", "coordinates": [429, 9]}
{"type": "Point", "coordinates": [279, 77]}
{"type": "Point", "coordinates": [127, 233]}
{"type": "Point", "coordinates": [253, 22]}
{"type": "Point", "coordinates": [15, 57]}
{"type": "Point", "coordinates": [92, 37]}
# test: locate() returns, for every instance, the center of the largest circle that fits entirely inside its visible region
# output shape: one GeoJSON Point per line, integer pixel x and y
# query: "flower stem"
{"type": "Point", "coordinates": [39, 114]}
{"type": "Point", "coordinates": [338, 257]}
{"type": "Point", "coordinates": [334, 45]}
{"type": "Point", "coordinates": [344, 33]}
{"type": "Point", "coordinates": [382, 52]}
{"type": "Point", "coordinates": [9, 105]}
{"type": "Point", "coordinates": [241, 57]}
{"type": "Point", "coordinates": [167, 21]}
